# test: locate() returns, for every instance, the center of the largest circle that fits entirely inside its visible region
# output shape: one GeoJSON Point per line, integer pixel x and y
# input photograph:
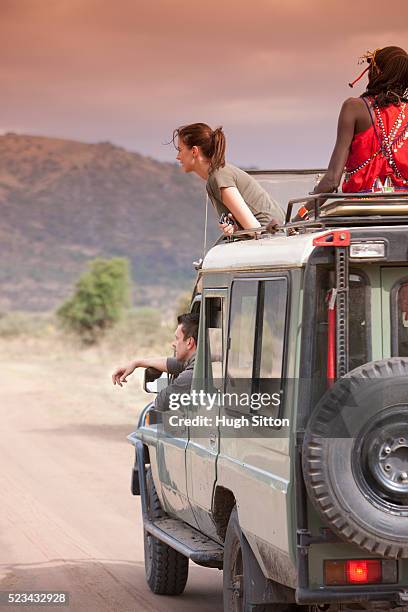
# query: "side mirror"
{"type": "Point", "coordinates": [154, 380]}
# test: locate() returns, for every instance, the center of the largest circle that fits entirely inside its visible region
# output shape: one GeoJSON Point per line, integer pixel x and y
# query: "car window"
{"type": "Point", "coordinates": [214, 318]}
{"type": "Point", "coordinates": [402, 319]}
{"type": "Point", "coordinates": [242, 329]}
{"type": "Point", "coordinates": [358, 320]}
{"type": "Point", "coordinates": [240, 361]}
{"type": "Point", "coordinates": [359, 324]}
{"type": "Point", "coordinates": [269, 343]}
{"type": "Point", "coordinates": [271, 330]}
{"type": "Point", "coordinates": [256, 337]}
{"type": "Point", "coordinates": [284, 186]}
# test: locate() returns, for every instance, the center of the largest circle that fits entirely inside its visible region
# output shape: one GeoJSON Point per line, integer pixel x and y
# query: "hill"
{"type": "Point", "coordinates": [64, 202]}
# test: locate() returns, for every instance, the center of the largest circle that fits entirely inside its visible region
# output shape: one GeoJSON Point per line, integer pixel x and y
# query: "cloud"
{"type": "Point", "coordinates": [130, 71]}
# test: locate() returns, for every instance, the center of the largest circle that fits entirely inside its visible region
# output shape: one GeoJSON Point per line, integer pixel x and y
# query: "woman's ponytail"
{"type": "Point", "coordinates": [218, 156]}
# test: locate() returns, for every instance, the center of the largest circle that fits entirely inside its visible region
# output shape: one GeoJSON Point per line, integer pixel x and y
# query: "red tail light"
{"type": "Point", "coordinates": [366, 571]}
{"type": "Point", "coordinates": [343, 572]}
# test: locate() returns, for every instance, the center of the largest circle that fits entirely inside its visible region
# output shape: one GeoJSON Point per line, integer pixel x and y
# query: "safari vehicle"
{"type": "Point", "coordinates": [312, 515]}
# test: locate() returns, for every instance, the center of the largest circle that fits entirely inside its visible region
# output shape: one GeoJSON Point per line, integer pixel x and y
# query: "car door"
{"type": "Point", "coordinates": [254, 463]}
{"type": "Point", "coordinates": [171, 460]}
{"type": "Point", "coordinates": [203, 444]}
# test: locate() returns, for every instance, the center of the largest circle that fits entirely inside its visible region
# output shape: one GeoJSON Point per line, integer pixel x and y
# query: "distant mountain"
{"type": "Point", "coordinates": [64, 202]}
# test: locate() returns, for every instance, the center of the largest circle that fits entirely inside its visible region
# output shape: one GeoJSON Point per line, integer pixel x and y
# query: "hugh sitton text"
{"type": "Point", "coordinates": [255, 420]}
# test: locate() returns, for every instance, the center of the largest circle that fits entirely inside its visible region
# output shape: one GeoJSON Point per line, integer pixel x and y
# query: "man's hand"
{"type": "Point", "coordinates": [120, 374]}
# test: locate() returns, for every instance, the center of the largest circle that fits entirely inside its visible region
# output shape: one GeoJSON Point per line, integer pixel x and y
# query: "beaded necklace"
{"type": "Point", "coordinates": [389, 143]}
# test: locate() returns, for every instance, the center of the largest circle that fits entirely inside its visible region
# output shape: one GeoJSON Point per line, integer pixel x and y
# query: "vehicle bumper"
{"type": "Point", "coordinates": [394, 594]}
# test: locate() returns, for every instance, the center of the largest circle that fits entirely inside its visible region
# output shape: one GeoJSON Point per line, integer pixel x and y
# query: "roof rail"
{"type": "Point", "coordinates": [253, 233]}
{"type": "Point", "coordinates": [353, 202]}
{"type": "Point", "coordinates": [286, 171]}
{"type": "Point", "coordinates": [352, 209]}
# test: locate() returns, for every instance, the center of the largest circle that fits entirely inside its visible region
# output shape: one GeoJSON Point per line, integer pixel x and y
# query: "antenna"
{"type": "Point", "coordinates": [205, 226]}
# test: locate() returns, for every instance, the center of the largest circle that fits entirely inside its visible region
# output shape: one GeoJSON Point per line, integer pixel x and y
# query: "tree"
{"type": "Point", "coordinates": [100, 297]}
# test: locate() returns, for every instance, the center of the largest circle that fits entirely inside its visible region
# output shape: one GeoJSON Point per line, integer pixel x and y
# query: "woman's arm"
{"type": "Point", "coordinates": [345, 134]}
{"type": "Point", "coordinates": [236, 204]}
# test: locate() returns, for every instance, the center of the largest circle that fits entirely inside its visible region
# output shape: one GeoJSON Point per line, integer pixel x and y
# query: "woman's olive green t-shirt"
{"type": "Point", "coordinates": [257, 199]}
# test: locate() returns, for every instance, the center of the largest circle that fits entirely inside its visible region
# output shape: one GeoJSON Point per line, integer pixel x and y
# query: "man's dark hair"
{"type": "Point", "coordinates": [189, 322]}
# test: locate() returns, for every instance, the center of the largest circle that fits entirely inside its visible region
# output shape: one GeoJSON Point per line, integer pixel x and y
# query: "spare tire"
{"type": "Point", "coordinates": [355, 457]}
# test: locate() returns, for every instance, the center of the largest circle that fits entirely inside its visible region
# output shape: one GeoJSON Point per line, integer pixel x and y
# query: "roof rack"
{"type": "Point", "coordinates": [247, 234]}
{"type": "Point", "coordinates": [286, 171]}
{"type": "Point", "coordinates": [352, 209]}
{"type": "Point", "coordinates": [342, 210]}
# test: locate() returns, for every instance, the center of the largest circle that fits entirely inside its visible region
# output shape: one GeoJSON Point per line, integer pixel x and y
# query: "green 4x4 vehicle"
{"type": "Point", "coordinates": [307, 510]}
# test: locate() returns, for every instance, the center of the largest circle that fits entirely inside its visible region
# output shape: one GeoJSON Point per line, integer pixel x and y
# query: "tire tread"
{"type": "Point", "coordinates": [169, 567]}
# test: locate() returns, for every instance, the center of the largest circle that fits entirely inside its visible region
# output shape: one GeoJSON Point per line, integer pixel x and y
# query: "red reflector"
{"type": "Point", "coordinates": [363, 571]}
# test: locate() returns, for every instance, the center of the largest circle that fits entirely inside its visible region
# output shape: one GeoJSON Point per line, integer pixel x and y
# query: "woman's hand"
{"type": "Point", "coordinates": [228, 228]}
{"type": "Point", "coordinates": [272, 226]}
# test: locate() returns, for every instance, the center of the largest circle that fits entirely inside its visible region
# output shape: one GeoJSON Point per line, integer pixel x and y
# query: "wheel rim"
{"type": "Point", "coordinates": [380, 460]}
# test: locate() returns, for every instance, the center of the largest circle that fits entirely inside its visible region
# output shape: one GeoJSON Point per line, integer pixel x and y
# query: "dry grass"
{"type": "Point", "coordinates": [140, 329]}
{"type": "Point", "coordinates": [30, 337]}
{"type": "Point", "coordinates": [32, 347]}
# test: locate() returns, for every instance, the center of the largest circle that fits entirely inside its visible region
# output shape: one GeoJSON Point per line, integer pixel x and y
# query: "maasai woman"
{"type": "Point", "coordinates": [372, 136]}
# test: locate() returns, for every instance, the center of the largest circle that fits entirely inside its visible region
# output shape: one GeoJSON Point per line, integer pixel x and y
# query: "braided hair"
{"type": "Point", "coordinates": [388, 77]}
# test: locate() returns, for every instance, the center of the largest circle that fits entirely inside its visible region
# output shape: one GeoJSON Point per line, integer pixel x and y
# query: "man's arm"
{"type": "Point", "coordinates": [174, 366]}
{"type": "Point", "coordinates": [121, 373]}
{"type": "Point", "coordinates": [180, 385]}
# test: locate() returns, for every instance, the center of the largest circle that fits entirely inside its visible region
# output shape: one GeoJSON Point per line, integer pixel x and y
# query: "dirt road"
{"type": "Point", "coordinates": [68, 521]}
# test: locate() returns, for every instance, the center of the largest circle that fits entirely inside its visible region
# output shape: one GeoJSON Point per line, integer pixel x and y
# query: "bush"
{"type": "Point", "coordinates": [100, 297]}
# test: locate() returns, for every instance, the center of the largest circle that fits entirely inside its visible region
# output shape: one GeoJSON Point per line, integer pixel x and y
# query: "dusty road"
{"type": "Point", "coordinates": [67, 519]}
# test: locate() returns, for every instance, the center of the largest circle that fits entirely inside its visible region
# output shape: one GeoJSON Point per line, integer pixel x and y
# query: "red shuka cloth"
{"type": "Point", "coordinates": [367, 143]}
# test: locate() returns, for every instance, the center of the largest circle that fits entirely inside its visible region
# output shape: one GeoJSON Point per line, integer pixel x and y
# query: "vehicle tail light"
{"type": "Point", "coordinates": [363, 571]}
{"type": "Point", "coordinates": [343, 572]}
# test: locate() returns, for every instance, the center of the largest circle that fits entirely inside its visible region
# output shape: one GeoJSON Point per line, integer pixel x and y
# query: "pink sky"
{"type": "Point", "coordinates": [129, 71]}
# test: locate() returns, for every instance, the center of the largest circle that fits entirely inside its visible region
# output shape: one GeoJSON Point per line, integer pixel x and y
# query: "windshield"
{"type": "Point", "coordinates": [285, 185]}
